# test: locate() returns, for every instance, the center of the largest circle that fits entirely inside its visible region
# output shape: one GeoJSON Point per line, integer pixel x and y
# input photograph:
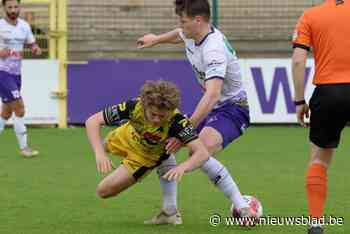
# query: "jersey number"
{"type": "Point", "coordinates": [122, 106]}
{"type": "Point", "coordinates": [183, 122]}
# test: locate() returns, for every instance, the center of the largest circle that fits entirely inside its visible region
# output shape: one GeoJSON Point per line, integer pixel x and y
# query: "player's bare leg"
{"type": "Point", "coordinates": [316, 183]}
{"type": "Point", "coordinates": [322, 156]}
{"type": "Point", "coordinates": [212, 139]}
{"type": "Point", "coordinates": [6, 113]}
{"type": "Point", "coordinates": [218, 174]}
{"type": "Point", "coordinates": [20, 129]}
{"type": "Point", "coordinates": [119, 180]}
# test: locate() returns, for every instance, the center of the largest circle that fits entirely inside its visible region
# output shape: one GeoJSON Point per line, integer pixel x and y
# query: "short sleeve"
{"type": "Point", "coordinates": [215, 63]}
{"type": "Point", "coordinates": [118, 114]}
{"type": "Point", "coordinates": [182, 36]}
{"type": "Point", "coordinates": [182, 129]}
{"type": "Point", "coordinates": [302, 34]}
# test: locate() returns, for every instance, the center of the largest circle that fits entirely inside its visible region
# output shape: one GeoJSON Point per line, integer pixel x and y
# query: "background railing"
{"type": "Point", "coordinates": [109, 29]}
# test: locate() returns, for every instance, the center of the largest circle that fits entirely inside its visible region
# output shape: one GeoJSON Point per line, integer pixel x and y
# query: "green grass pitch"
{"type": "Point", "coordinates": [55, 192]}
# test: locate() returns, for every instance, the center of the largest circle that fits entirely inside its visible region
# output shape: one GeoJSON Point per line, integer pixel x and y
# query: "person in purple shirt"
{"type": "Point", "coordinates": [14, 33]}
{"type": "Point", "coordinates": [222, 114]}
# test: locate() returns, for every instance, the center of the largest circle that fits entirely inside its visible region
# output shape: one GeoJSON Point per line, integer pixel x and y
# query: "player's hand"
{"type": "Point", "coordinates": [104, 164]}
{"type": "Point", "coordinates": [36, 50]}
{"type": "Point", "coordinates": [173, 145]}
{"type": "Point", "coordinates": [303, 112]}
{"type": "Point", "coordinates": [174, 174]}
{"type": "Point", "coordinates": [147, 41]}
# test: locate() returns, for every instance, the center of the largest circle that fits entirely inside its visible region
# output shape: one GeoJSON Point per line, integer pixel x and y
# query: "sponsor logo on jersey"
{"type": "Point", "coordinates": [215, 63]}
{"type": "Point", "coordinates": [152, 139]}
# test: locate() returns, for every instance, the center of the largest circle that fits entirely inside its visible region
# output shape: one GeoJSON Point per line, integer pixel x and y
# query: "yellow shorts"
{"type": "Point", "coordinates": [117, 143]}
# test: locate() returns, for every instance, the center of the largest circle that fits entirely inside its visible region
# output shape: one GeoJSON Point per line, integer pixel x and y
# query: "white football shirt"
{"type": "Point", "coordinates": [214, 58]}
{"type": "Point", "coordinates": [13, 37]}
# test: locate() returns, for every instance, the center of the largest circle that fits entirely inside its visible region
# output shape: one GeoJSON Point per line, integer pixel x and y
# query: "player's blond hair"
{"type": "Point", "coordinates": [161, 94]}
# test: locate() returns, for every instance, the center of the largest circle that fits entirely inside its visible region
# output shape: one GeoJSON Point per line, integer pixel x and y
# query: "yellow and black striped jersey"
{"type": "Point", "coordinates": [142, 135]}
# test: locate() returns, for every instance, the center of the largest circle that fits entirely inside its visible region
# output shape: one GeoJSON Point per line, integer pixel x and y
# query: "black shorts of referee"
{"type": "Point", "coordinates": [330, 112]}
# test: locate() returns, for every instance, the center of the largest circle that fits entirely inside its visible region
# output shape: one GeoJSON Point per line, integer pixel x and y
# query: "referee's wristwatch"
{"type": "Point", "coordinates": [298, 103]}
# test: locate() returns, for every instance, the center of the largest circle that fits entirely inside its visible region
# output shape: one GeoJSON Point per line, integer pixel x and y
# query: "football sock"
{"type": "Point", "coordinates": [20, 131]}
{"type": "Point", "coordinates": [169, 188]}
{"type": "Point", "coordinates": [221, 178]}
{"type": "Point", "coordinates": [2, 124]}
{"type": "Point", "coordinates": [316, 187]}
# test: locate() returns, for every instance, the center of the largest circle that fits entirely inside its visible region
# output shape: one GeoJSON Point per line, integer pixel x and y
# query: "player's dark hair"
{"type": "Point", "coordinates": [193, 8]}
{"type": "Point", "coordinates": [339, 2]}
{"type": "Point", "coordinates": [161, 94]}
{"type": "Point", "coordinates": [4, 1]}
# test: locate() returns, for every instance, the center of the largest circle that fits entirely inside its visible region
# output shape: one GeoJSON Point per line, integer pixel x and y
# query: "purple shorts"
{"type": "Point", "coordinates": [230, 120]}
{"type": "Point", "coordinates": [10, 87]}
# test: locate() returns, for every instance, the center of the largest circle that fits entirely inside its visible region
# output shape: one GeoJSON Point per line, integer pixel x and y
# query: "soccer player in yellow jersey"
{"type": "Point", "coordinates": [144, 126]}
{"type": "Point", "coordinates": [222, 114]}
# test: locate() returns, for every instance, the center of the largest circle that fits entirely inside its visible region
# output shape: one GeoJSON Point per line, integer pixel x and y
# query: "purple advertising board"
{"type": "Point", "coordinates": [100, 83]}
{"type": "Point", "coordinates": [93, 86]}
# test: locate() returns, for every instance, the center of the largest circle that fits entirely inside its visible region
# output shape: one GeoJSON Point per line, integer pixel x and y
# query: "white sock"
{"type": "Point", "coordinates": [20, 131]}
{"type": "Point", "coordinates": [2, 124]}
{"type": "Point", "coordinates": [169, 188]}
{"type": "Point", "coordinates": [221, 178]}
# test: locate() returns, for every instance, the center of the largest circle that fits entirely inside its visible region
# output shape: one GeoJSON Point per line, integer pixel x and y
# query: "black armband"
{"type": "Point", "coordinates": [298, 103]}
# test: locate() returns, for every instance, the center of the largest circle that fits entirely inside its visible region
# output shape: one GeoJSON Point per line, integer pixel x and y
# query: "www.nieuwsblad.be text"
{"type": "Point", "coordinates": [216, 220]}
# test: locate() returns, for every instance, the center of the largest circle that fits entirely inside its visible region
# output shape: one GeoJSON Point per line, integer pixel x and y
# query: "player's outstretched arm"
{"type": "Point", "coordinates": [93, 125]}
{"type": "Point", "coordinates": [199, 155]}
{"type": "Point", "coordinates": [150, 39]}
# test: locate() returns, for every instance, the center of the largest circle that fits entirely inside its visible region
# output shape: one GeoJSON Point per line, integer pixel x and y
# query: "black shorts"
{"type": "Point", "coordinates": [330, 111]}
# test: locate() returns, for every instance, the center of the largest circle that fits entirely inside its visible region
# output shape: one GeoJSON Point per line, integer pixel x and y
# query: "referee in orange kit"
{"type": "Point", "coordinates": [325, 30]}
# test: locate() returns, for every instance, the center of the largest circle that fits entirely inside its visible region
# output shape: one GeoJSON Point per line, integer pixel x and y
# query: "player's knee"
{"type": "Point", "coordinates": [103, 191]}
{"type": "Point", "coordinates": [211, 145]}
{"type": "Point", "coordinates": [321, 156]}
{"type": "Point", "coordinates": [19, 111]}
{"type": "Point", "coordinates": [6, 115]}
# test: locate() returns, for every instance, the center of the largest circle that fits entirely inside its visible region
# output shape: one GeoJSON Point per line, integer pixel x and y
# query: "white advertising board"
{"type": "Point", "coordinates": [270, 89]}
{"type": "Point", "coordinates": [39, 79]}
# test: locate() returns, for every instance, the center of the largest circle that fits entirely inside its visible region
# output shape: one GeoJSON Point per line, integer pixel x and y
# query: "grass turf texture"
{"type": "Point", "coordinates": [55, 192]}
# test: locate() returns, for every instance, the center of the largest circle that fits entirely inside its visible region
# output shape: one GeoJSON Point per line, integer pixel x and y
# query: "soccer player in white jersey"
{"type": "Point", "coordinates": [222, 114]}
{"type": "Point", "coordinates": [14, 33]}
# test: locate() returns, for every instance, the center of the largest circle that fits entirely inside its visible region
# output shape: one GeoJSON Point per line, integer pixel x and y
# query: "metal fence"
{"type": "Point", "coordinates": [37, 15]}
{"type": "Point", "coordinates": [109, 28]}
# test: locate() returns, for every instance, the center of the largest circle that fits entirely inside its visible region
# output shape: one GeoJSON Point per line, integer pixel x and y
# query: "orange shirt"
{"type": "Point", "coordinates": [326, 29]}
